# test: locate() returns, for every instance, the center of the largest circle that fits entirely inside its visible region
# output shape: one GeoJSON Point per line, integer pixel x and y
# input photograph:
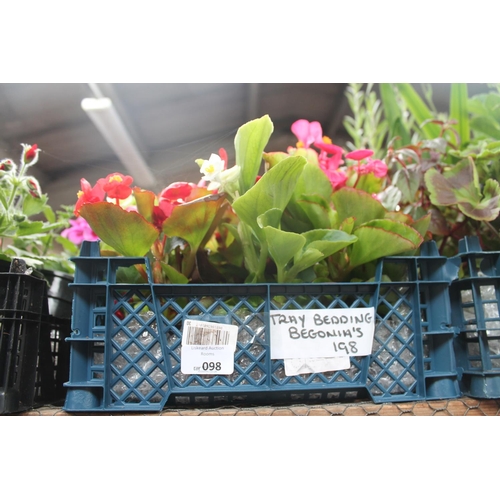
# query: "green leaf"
{"type": "Point", "coordinates": [459, 112]}
{"type": "Point", "coordinates": [67, 245]}
{"type": "Point", "coordinates": [193, 221]}
{"type": "Point", "coordinates": [283, 246]}
{"type": "Point", "coordinates": [319, 244]}
{"type": "Point", "coordinates": [49, 214]}
{"type": "Point", "coordinates": [486, 125]}
{"type": "Point", "coordinates": [249, 144]}
{"type": "Point", "coordinates": [309, 258]}
{"type": "Point", "coordinates": [174, 276]}
{"type": "Point", "coordinates": [382, 238]}
{"type": "Point", "coordinates": [310, 201]}
{"type": "Point", "coordinates": [29, 227]}
{"type": "Point", "coordinates": [419, 110]}
{"type": "Point", "coordinates": [34, 206]}
{"type": "Point", "coordinates": [127, 232]}
{"type": "Point", "coordinates": [273, 190]}
{"type": "Point", "coordinates": [328, 241]}
{"type": "Point", "coordinates": [408, 181]}
{"type": "Point", "coordinates": [270, 218]}
{"type": "Point", "coordinates": [393, 114]}
{"type": "Point", "coordinates": [272, 159]}
{"type": "Point", "coordinates": [145, 203]}
{"type": "Point", "coordinates": [350, 202]}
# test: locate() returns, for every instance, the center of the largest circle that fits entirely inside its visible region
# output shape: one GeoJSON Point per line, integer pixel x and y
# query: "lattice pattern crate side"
{"type": "Point", "coordinates": [475, 299]}
{"type": "Point", "coordinates": [126, 344]}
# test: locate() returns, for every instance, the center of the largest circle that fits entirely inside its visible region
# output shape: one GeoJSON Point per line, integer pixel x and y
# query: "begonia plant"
{"type": "Point", "coordinates": [310, 214]}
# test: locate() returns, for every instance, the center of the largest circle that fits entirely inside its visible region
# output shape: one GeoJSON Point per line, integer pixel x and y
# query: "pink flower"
{"type": "Point", "coordinates": [338, 178]}
{"type": "Point", "coordinates": [307, 133]}
{"type": "Point", "coordinates": [79, 231]}
{"type": "Point", "coordinates": [329, 162]}
{"type": "Point", "coordinates": [377, 167]}
{"type": "Point", "coordinates": [359, 154]}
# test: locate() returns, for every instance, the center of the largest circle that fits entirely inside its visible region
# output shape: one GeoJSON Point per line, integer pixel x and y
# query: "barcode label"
{"type": "Point", "coordinates": [206, 333]}
{"type": "Point", "coordinates": [208, 348]}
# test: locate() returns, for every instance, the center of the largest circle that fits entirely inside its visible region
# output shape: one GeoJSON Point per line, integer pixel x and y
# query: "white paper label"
{"type": "Point", "coordinates": [208, 347]}
{"type": "Point", "coordinates": [298, 366]}
{"type": "Point", "coordinates": [322, 333]}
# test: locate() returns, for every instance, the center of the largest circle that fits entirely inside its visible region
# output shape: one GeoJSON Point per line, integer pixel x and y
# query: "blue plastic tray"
{"type": "Point", "coordinates": [126, 338]}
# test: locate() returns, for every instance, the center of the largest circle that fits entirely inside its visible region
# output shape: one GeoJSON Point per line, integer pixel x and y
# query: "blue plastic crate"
{"type": "Point", "coordinates": [126, 338]}
{"type": "Point", "coordinates": [475, 299]}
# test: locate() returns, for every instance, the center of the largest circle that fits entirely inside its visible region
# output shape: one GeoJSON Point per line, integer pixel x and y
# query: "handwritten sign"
{"type": "Point", "coordinates": [326, 333]}
{"type": "Point", "coordinates": [298, 366]}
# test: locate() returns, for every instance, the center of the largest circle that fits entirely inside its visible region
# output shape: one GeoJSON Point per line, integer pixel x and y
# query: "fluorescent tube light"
{"type": "Point", "coordinates": [106, 119]}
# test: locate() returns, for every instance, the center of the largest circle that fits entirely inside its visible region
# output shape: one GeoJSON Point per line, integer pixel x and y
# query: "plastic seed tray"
{"type": "Point", "coordinates": [475, 299]}
{"type": "Point", "coordinates": [126, 340]}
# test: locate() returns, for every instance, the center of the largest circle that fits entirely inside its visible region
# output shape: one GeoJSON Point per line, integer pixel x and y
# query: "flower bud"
{"type": "Point", "coordinates": [6, 165]}
{"type": "Point", "coordinates": [30, 154]}
{"type": "Point", "coordinates": [19, 218]}
{"type": "Point", "coordinates": [33, 187]}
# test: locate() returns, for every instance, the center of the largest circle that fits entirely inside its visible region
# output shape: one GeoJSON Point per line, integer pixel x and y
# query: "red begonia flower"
{"type": "Point", "coordinates": [117, 186]}
{"type": "Point", "coordinates": [177, 192]}
{"type": "Point", "coordinates": [359, 154]}
{"type": "Point", "coordinates": [162, 212]}
{"type": "Point", "coordinates": [89, 194]}
{"type": "Point", "coordinates": [307, 133]}
{"type": "Point", "coordinates": [223, 156]}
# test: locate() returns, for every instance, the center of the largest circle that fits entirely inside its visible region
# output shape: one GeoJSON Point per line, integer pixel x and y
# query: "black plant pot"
{"type": "Point", "coordinates": [23, 300]}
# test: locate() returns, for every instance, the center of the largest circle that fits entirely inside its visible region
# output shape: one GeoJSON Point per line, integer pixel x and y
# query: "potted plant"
{"type": "Point", "coordinates": [33, 274]}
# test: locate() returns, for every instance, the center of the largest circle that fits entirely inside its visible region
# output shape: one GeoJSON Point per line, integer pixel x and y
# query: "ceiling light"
{"type": "Point", "coordinates": [106, 119]}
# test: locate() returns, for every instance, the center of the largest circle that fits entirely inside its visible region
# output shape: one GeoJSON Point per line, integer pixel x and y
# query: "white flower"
{"type": "Point", "coordinates": [212, 168]}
